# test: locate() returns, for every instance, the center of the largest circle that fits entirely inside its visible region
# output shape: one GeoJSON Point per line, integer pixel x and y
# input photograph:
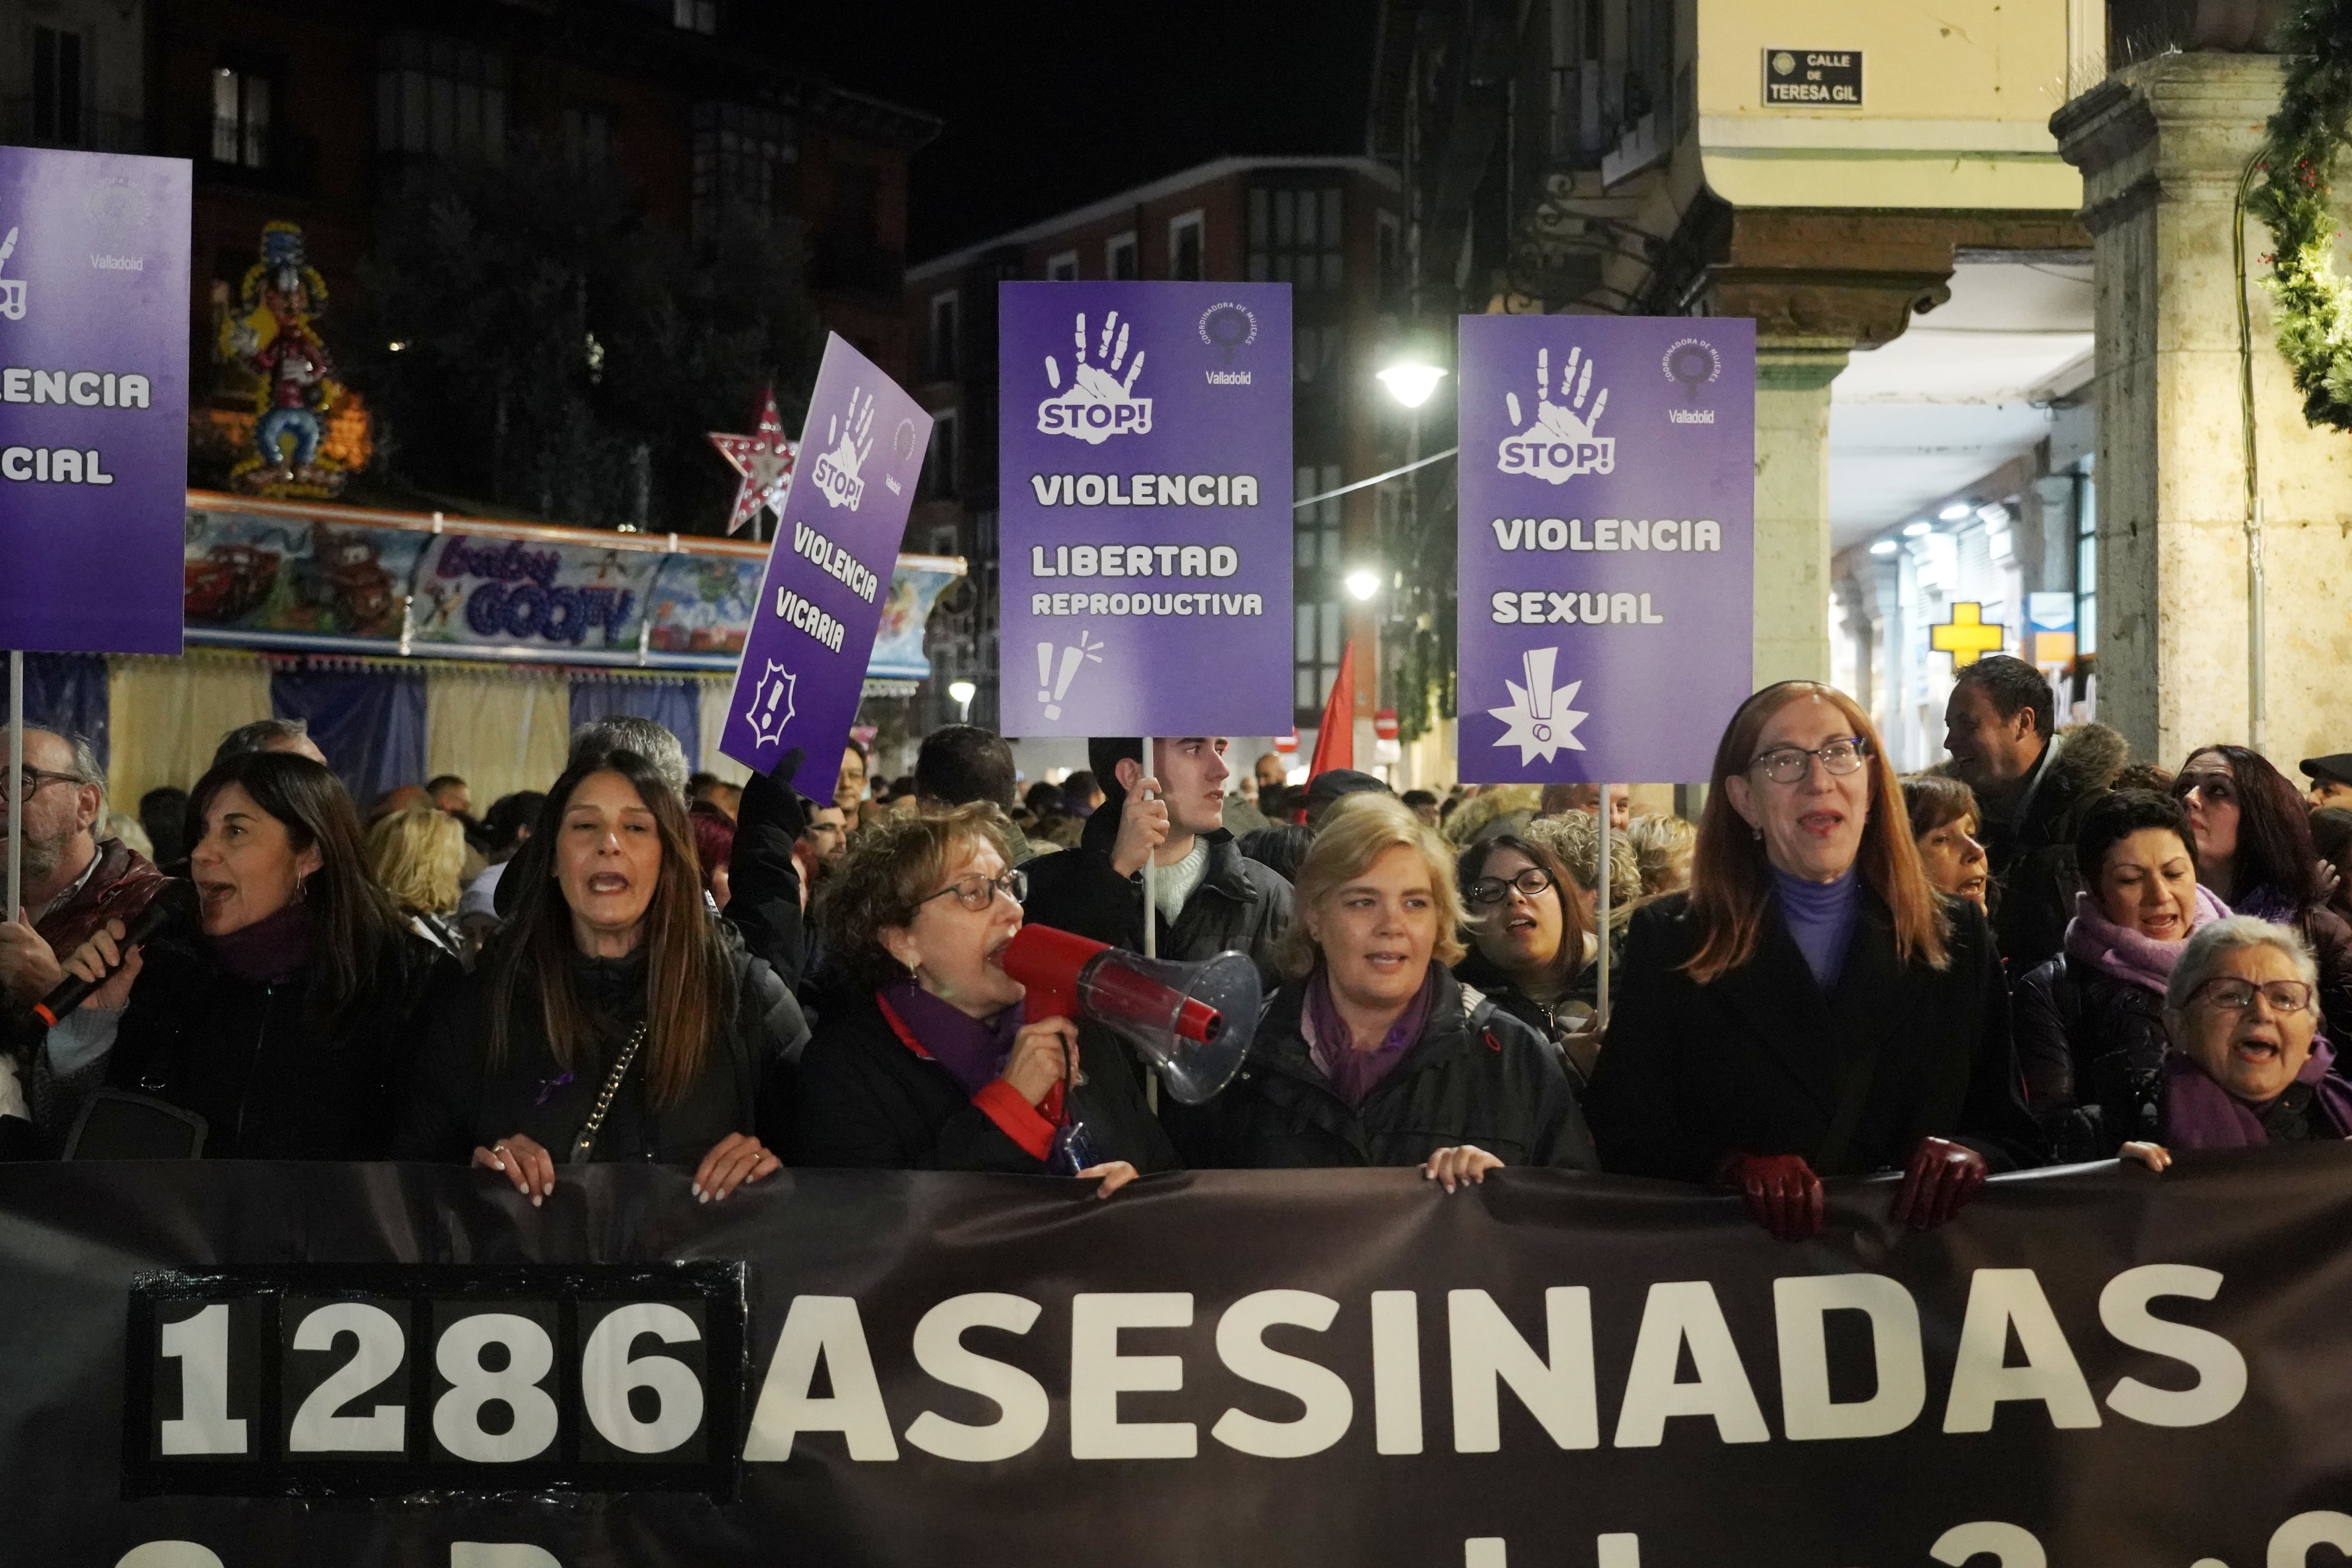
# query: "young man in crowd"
{"type": "Point", "coordinates": [959, 763]}
{"type": "Point", "coordinates": [73, 881]}
{"type": "Point", "coordinates": [2034, 785]}
{"type": "Point", "coordinates": [1209, 898]}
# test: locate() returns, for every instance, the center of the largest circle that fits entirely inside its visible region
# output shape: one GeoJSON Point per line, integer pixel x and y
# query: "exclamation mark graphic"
{"type": "Point", "coordinates": [1045, 671]}
{"type": "Point", "coordinates": [1070, 657]}
{"type": "Point", "coordinates": [1537, 663]}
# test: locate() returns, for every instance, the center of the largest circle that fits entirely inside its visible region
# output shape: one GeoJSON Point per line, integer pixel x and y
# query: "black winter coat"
{"type": "Point", "coordinates": [1552, 1023]}
{"type": "Point", "coordinates": [866, 1100]}
{"type": "Point", "coordinates": [1758, 1062]}
{"type": "Point", "coordinates": [763, 880]}
{"type": "Point", "coordinates": [270, 1083]}
{"type": "Point", "coordinates": [461, 1100]}
{"type": "Point", "coordinates": [2091, 1049]}
{"type": "Point", "coordinates": [1476, 1076]}
{"type": "Point", "coordinates": [2032, 854]}
{"type": "Point", "coordinates": [1239, 906]}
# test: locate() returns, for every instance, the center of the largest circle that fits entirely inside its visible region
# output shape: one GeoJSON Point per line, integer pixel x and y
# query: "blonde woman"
{"type": "Point", "coordinates": [1371, 1053]}
{"type": "Point", "coordinates": [1662, 846]}
{"type": "Point", "coordinates": [415, 856]}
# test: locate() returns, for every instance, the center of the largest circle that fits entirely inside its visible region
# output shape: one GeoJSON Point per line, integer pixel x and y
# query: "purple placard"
{"type": "Point", "coordinates": [1608, 496]}
{"type": "Point", "coordinates": [803, 665]}
{"type": "Point", "coordinates": [93, 400]}
{"type": "Point", "coordinates": [1144, 449]}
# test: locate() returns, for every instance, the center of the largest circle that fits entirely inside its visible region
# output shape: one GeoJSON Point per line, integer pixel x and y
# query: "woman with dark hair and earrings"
{"type": "Point", "coordinates": [2255, 851]}
{"type": "Point", "coordinates": [612, 1018]}
{"type": "Point", "coordinates": [283, 1013]}
{"type": "Point", "coordinates": [1812, 1007]}
{"type": "Point", "coordinates": [1528, 944]}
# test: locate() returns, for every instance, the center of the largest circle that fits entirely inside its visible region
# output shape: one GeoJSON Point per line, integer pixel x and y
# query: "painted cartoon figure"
{"type": "Point", "coordinates": [276, 338]}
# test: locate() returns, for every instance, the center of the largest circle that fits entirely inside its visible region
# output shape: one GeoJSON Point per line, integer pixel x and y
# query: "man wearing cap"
{"type": "Point", "coordinates": [1209, 898]}
{"type": "Point", "coordinates": [2331, 779]}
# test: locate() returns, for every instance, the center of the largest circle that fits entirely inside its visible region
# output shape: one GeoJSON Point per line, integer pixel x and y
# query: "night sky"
{"type": "Point", "coordinates": [1049, 106]}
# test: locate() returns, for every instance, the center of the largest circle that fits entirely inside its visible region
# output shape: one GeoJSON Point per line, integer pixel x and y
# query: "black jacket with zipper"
{"type": "Point", "coordinates": [1240, 906]}
{"type": "Point", "coordinates": [270, 1081]}
{"type": "Point", "coordinates": [1476, 1075]}
{"type": "Point", "coordinates": [460, 1099]}
{"type": "Point", "coordinates": [868, 1101]}
{"type": "Point", "coordinates": [1759, 1061]}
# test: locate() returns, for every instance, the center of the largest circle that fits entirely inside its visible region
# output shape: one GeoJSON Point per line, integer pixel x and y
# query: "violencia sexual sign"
{"type": "Point", "coordinates": [1145, 501]}
{"type": "Point", "coordinates": [93, 400]}
{"type": "Point", "coordinates": [1607, 545]}
{"type": "Point", "coordinates": [803, 667]}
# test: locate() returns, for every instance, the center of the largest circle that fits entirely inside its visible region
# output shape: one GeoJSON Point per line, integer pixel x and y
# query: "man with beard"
{"type": "Point", "coordinates": [73, 883]}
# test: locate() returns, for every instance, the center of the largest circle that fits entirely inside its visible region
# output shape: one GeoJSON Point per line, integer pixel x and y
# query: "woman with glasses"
{"type": "Point", "coordinates": [2255, 850]}
{"type": "Point", "coordinates": [2249, 1068]}
{"type": "Point", "coordinates": [611, 1018]}
{"type": "Point", "coordinates": [1812, 1007]}
{"type": "Point", "coordinates": [922, 1058]}
{"type": "Point", "coordinates": [1529, 949]}
{"type": "Point", "coordinates": [1372, 1053]}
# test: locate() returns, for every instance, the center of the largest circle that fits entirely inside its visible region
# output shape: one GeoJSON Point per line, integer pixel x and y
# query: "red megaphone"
{"type": "Point", "coordinates": [1192, 1021]}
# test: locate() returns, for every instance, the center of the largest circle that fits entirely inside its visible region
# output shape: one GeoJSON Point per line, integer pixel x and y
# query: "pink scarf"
{"type": "Point", "coordinates": [2124, 954]}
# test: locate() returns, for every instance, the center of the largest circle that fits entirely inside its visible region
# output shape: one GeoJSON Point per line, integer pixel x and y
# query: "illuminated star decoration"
{"type": "Point", "coordinates": [764, 458]}
{"type": "Point", "coordinates": [1545, 724]}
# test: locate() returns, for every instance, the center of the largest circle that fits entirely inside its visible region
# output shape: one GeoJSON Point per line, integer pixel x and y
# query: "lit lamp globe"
{"type": "Point", "coordinates": [1412, 382]}
{"type": "Point", "coordinates": [1363, 583]}
{"type": "Point", "coordinates": [963, 691]}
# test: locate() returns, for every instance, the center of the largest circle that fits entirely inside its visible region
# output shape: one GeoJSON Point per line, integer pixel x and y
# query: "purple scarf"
{"type": "Point", "coordinates": [973, 1050]}
{"type": "Point", "coordinates": [1354, 1074]}
{"type": "Point", "coordinates": [269, 951]}
{"type": "Point", "coordinates": [2121, 953]}
{"type": "Point", "coordinates": [2196, 1113]}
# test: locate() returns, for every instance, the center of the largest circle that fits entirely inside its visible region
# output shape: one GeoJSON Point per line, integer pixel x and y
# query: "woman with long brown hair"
{"type": "Point", "coordinates": [1811, 1007]}
{"type": "Point", "coordinates": [611, 1019]}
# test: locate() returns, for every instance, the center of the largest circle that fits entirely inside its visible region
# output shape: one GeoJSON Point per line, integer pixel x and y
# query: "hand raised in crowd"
{"type": "Point", "coordinates": [1042, 1056]}
{"type": "Point", "coordinates": [95, 957]}
{"type": "Point", "coordinates": [1114, 1174]}
{"type": "Point", "coordinates": [736, 1160]}
{"type": "Point", "coordinates": [28, 969]}
{"type": "Point", "coordinates": [1941, 1177]}
{"type": "Point", "coordinates": [1463, 1163]}
{"type": "Point", "coordinates": [1780, 1192]}
{"type": "Point", "coordinates": [529, 1167]}
{"type": "Point", "coordinates": [1142, 827]}
{"type": "Point", "coordinates": [2155, 1156]}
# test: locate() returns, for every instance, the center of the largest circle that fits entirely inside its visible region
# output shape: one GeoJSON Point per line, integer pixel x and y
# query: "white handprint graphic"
{"type": "Point", "coordinates": [1559, 444]}
{"type": "Point", "coordinates": [1098, 403]}
{"type": "Point", "coordinates": [849, 439]}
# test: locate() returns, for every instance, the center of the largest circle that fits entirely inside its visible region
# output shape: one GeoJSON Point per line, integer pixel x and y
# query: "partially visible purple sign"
{"type": "Point", "coordinates": [93, 400]}
{"type": "Point", "coordinates": [1608, 495]}
{"type": "Point", "coordinates": [1144, 449]}
{"type": "Point", "coordinates": [803, 664]}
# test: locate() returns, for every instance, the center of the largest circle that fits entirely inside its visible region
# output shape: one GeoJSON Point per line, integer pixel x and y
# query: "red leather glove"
{"type": "Point", "coordinates": [1780, 1191]}
{"type": "Point", "coordinates": [1942, 1176]}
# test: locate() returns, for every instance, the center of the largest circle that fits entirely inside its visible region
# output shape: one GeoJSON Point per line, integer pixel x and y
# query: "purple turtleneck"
{"type": "Point", "coordinates": [1820, 917]}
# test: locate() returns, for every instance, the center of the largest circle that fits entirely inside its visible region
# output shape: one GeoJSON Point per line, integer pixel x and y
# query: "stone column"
{"type": "Point", "coordinates": [1792, 510]}
{"type": "Point", "coordinates": [2161, 145]}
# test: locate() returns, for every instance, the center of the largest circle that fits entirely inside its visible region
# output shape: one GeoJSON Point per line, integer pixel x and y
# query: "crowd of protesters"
{"type": "Point", "coordinates": [2041, 950]}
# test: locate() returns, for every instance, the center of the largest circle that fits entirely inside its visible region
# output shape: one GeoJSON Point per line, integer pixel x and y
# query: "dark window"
{"type": "Point", "coordinates": [855, 210]}
{"type": "Point", "coordinates": [695, 16]}
{"type": "Point", "coordinates": [1295, 237]}
{"type": "Point", "coordinates": [743, 161]}
{"type": "Point", "coordinates": [1316, 566]}
{"type": "Point", "coordinates": [940, 467]}
{"type": "Point", "coordinates": [587, 138]}
{"type": "Point", "coordinates": [1063, 269]}
{"type": "Point", "coordinates": [1120, 258]}
{"type": "Point", "coordinates": [240, 118]}
{"type": "Point", "coordinates": [438, 96]}
{"type": "Point", "coordinates": [1184, 247]}
{"type": "Point", "coordinates": [943, 336]}
{"type": "Point", "coordinates": [56, 87]}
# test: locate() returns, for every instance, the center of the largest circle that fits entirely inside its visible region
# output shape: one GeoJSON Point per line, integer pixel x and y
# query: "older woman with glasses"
{"type": "Point", "coordinates": [2248, 1069]}
{"type": "Point", "coordinates": [922, 1058]}
{"type": "Point", "coordinates": [1528, 944]}
{"type": "Point", "coordinates": [2255, 851]}
{"type": "Point", "coordinates": [1812, 1008]}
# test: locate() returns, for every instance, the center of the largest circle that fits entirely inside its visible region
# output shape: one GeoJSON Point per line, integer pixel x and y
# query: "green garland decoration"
{"type": "Point", "coordinates": [2292, 185]}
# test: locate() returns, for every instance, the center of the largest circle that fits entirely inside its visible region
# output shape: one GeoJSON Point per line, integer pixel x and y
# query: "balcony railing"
{"type": "Point", "coordinates": [29, 123]}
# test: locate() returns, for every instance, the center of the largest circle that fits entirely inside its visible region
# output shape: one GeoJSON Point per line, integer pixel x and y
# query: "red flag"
{"type": "Point", "coordinates": [1335, 741]}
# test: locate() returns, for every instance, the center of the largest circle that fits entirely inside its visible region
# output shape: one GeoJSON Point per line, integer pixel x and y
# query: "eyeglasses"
{"type": "Point", "coordinates": [34, 779]}
{"type": "Point", "coordinates": [1789, 764]}
{"type": "Point", "coordinates": [976, 892]}
{"type": "Point", "coordinates": [1494, 889]}
{"type": "Point", "coordinates": [2219, 789]}
{"type": "Point", "coordinates": [2233, 996]}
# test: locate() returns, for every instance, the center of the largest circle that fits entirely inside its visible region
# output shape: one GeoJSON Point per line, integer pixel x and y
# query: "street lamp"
{"type": "Point", "coordinates": [1410, 382]}
{"type": "Point", "coordinates": [963, 691]}
{"type": "Point", "coordinates": [1363, 581]}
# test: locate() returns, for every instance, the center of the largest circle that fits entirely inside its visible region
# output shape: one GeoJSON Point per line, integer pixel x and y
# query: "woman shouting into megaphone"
{"type": "Point", "coordinates": [922, 1058]}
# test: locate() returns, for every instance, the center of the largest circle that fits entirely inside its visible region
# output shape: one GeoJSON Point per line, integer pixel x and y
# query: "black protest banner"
{"type": "Point", "coordinates": [246, 1364]}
